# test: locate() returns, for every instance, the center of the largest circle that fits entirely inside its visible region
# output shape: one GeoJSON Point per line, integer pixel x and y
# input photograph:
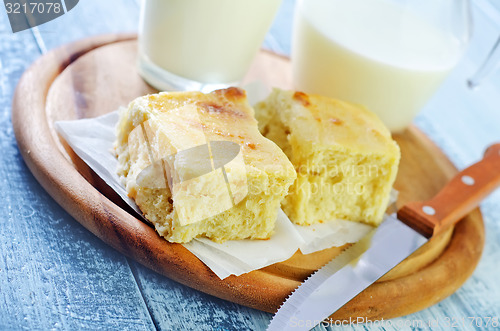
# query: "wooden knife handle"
{"type": "Point", "coordinates": [461, 195]}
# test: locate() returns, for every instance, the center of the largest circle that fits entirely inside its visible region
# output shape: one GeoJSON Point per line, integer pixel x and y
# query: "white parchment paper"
{"type": "Point", "coordinates": [92, 140]}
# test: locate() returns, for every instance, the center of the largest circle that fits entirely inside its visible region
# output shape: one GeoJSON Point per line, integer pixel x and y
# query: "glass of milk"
{"type": "Point", "coordinates": [201, 44]}
{"type": "Point", "coordinates": [388, 55]}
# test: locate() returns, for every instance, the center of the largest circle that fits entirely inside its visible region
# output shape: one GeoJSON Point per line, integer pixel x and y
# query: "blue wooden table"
{"type": "Point", "coordinates": [54, 274]}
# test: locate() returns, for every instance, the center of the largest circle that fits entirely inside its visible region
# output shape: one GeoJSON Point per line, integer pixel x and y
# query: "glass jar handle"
{"type": "Point", "coordinates": [488, 66]}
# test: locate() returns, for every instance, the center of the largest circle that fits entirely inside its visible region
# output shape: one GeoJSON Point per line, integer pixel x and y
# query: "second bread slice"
{"type": "Point", "coordinates": [345, 158]}
{"type": "Point", "coordinates": [197, 165]}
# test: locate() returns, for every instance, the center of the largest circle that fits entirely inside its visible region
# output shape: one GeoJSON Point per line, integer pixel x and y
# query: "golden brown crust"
{"type": "Point", "coordinates": [302, 98]}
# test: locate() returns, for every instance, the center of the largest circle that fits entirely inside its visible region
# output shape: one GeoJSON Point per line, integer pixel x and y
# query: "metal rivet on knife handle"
{"type": "Point", "coordinates": [455, 200]}
{"type": "Point", "coordinates": [429, 210]}
{"type": "Point", "coordinates": [468, 180]}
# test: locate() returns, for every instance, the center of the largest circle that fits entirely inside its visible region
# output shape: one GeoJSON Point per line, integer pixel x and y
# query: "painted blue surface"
{"type": "Point", "coordinates": [54, 274]}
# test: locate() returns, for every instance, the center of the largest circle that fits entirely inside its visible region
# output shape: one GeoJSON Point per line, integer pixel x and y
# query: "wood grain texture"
{"type": "Point", "coordinates": [96, 75]}
{"type": "Point", "coordinates": [461, 195]}
{"type": "Point", "coordinates": [461, 122]}
{"type": "Point", "coordinates": [54, 274]}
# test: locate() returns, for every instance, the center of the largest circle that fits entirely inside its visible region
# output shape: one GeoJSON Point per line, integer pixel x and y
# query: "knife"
{"type": "Point", "coordinates": [398, 236]}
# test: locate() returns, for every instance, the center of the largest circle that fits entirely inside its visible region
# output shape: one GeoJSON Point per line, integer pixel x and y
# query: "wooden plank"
{"type": "Point", "coordinates": [174, 295]}
{"type": "Point", "coordinates": [159, 292]}
{"type": "Point", "coordinates": [422, 172]}
{"type": "Point", "coordinates": [478, 295]}
{"type": "Point", "coordinates": [462, 123]}
{"type": "Point", "coordinates": [53, 273]}
{"type": "Point", "coordinates": [91, 17]}
{"type": "Point", "coordinates": [177, 307]}
{"type": "Point", "coordinates": [163, 296]}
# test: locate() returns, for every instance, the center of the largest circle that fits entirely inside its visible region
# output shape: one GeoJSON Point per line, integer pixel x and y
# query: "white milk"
{"type": "Point", "coordinates": [208, 41]}
{"type": "Point", "coordinates": [370, 52]}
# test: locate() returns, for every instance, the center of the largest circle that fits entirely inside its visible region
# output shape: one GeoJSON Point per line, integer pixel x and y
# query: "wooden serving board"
{"type": "Point", "coordinates": [97, 75]}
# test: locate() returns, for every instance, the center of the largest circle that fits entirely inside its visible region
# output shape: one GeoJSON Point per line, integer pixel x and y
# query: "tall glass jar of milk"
{"type": "Point", "coordinates": [201, 44]}
{"type": "Point", "coordinates": [388, 55]}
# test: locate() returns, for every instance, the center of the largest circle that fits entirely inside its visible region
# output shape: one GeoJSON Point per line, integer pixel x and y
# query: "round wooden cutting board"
{"type": "Point", "coordinates": [97, 75]}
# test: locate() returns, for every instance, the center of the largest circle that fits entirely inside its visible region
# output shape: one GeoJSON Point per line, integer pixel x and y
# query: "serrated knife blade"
{"type": "Point", "coordinates": [398, 236]}
{"type": "Point", "coordinates": [347, 275]}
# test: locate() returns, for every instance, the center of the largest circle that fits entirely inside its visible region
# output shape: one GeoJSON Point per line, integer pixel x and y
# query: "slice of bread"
{"type": "Point", "coordinates": [197, 165]}
{"type": "Point", "coordinates": [345, 158]}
